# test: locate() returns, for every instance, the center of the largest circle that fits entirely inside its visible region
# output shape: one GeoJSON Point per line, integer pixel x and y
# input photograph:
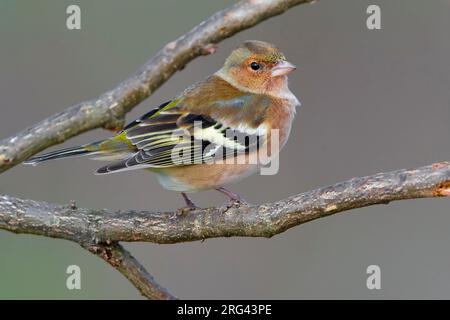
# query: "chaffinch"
{"type": "Point", "coordinates": [189, 141]}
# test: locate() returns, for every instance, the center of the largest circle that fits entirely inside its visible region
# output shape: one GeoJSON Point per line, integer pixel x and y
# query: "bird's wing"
{"type": "Point", "coordinates": [176, 134]}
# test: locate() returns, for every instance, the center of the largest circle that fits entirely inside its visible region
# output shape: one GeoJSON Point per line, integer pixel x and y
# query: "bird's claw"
{"type": "Point", "coordinates": [185, 210]}
{"type": "Point", "coordinates": [235, 203]}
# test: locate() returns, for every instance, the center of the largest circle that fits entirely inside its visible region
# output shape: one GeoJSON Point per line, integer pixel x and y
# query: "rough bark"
{"type": "Point", "coordinates": [91, 226]}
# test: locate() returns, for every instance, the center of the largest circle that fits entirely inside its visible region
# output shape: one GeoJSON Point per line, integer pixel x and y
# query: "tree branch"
{"type": "Point", "coordinates": [90, 227]}
{"type": "Point", "coordinates": [125, 263]}
{"type": "Point", "coordinates": [100, 230]}
{"type": "Point", "coordinates": [109, 109]}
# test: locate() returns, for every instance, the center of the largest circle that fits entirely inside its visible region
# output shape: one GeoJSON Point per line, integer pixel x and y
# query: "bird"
{"type": "Point", "coordinates": [210, 135]}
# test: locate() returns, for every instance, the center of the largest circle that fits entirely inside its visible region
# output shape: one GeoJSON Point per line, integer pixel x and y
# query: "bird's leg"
{"type": "Point", "coordinates": [190, 204]}
{"type": "Point", "coordinates": [234, 197]}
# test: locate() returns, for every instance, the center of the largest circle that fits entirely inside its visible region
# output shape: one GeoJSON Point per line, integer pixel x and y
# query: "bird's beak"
{"type": "Point", "coordinates": [282, 68]}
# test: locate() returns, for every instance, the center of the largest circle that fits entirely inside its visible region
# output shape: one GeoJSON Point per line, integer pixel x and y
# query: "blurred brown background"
{"type": "Point", "coordinates": [372, 101]}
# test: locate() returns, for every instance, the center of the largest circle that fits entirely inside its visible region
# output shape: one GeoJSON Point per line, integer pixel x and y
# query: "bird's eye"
{"type": "Point", "coordinates": [255, 65]}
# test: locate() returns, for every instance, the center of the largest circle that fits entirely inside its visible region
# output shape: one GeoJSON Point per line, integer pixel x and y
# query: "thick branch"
{"type": "Point", "coordinates": [109, 109]}
{"type": "Point", "coordinates": [87, 226]}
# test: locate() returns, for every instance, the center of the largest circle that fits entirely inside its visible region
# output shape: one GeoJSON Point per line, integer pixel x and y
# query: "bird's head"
{"type": "Point", "coordinates": [257, 67]}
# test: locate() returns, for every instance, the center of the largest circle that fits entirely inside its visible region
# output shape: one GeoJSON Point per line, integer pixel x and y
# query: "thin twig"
{"type": "Point", "coordinates": [110, 108]}
{"type": "Point", "coordinates": [119, 258]}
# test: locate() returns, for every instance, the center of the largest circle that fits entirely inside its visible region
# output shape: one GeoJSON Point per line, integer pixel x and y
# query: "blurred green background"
{"type": "Point", "coordinates": [372, 101]}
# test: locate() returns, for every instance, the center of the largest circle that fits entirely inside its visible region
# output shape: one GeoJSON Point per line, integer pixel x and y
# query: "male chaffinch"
{"type": "Point", "coordinates": [248, 96]}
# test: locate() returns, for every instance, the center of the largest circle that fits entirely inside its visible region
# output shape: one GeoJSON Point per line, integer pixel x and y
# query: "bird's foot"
{"type": "Point", "coordinates": [190, 205]}
{"type": "Point", "coordinates": [235, 199]}
{"type": "Point", "coordinates": [184, 211]}
{"type": "Point", "coordinates": [235, 203]}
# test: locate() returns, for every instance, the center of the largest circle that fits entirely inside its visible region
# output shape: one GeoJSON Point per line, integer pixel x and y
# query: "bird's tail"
{"type": "Point", "coordinates": [87, 149]}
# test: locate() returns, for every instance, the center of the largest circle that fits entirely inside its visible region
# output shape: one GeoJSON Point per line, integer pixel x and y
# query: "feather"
{"type": "Point", "coordinates": [223, 122]}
